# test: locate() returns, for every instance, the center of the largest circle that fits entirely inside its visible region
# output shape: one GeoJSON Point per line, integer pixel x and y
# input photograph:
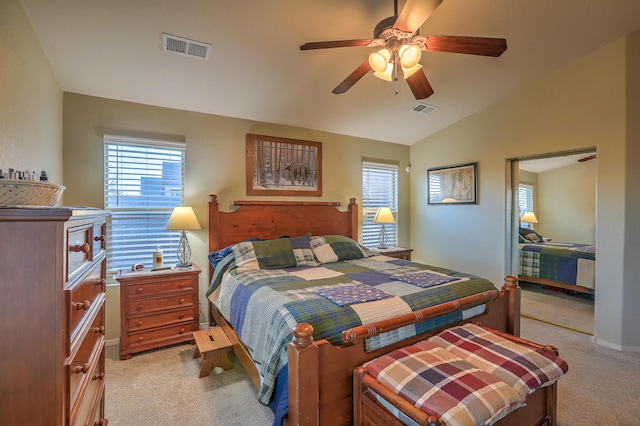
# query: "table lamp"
{"type": "Point", "coordinates": [183, 219]}
{"type": "Point", "coordinates": [383, 216]}
{"type": "Point", "coordinates": [529, 217]}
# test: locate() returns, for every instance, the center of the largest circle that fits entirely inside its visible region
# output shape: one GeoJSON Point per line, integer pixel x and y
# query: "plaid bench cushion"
{"type": "Point", "coordinates": [524, 368]}
{"type": "Point", "coordinates": [440, 383]}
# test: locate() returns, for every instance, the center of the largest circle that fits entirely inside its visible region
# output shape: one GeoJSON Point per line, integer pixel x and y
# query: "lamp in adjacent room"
{"type": "Point", "coordinates": [529, 217]}
{"type": "Point", "coordinates": [383, 216]}
{"type": "Point", "coordinates": [183, 219]}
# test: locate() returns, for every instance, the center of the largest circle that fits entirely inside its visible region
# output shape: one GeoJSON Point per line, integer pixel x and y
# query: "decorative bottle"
{"type": "Point", "coordinates": [157, 258]}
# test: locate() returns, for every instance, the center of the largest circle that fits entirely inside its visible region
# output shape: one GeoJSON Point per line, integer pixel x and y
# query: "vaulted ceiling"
{"type": "Point", "coordinates": [255, 70]}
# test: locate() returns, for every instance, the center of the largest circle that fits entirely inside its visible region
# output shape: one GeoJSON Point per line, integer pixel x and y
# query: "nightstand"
{"type": "Point", "coordinates": [397, 252]}
{"type": "Point", "coordinates": [157, 308]}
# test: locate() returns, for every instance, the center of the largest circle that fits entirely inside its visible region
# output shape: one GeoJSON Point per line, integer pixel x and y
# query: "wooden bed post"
{"type": "Point", "coordinates": [353, 208]}
{"type": "Point", "coordinates": [511, 284]}
{"type": "Point", "coordinates": [304, 387]}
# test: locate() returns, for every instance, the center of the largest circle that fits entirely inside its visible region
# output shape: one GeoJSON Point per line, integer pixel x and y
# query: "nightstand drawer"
{"type": "Point", "coordinates": [153, 336]}
{"type": "Point", "coordinates": [159, 320]}
{"type": "Point", "coordinates": [154, 288]}
{"type": "Point", "coordinates": [159, 304]}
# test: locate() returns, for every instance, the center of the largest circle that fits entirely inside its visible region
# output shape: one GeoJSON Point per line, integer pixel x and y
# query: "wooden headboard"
{"type": "Point", "coordinates": [273, 219]}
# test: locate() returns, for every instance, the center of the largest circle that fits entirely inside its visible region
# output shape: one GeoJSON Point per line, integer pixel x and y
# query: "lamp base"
{"type": "Point", "coordinates": [184, 251]}
{"type": "Point", "coordinates": [382, 238]}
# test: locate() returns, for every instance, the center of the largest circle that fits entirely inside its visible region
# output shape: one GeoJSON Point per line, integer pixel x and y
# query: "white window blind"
{"type": "Point", "coordinates": [144, 181]}
{"type": "Point", "coordinates": [379, 189]}
{"type": "Point", "coordinates": [525, 201]}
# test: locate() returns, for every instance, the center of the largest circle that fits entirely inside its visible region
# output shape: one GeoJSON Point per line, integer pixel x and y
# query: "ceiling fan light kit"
{"type": "Point", "coordinates": [399, 43]}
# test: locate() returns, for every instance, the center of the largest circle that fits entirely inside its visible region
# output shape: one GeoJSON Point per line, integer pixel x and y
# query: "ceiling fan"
{"type": "Point", "coordinates": [400, 48]}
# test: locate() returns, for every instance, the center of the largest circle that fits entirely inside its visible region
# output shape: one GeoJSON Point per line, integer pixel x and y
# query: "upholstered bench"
{"type": "Point", "coordinates": [465, 375]}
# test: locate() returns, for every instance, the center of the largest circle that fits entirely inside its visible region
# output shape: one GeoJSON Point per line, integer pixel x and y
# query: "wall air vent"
{"type": "Point", "coordinates": [424, 109]}
{"type": "Point", "coordinates": [186, 47]}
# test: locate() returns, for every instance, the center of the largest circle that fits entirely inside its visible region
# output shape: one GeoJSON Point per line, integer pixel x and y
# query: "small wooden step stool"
{"type": "Point", "coordinates": [214, 346]}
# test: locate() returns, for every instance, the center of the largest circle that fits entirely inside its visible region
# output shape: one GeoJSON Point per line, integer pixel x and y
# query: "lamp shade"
{"type": "Point", "coordinates": [529, 217]}
{"type": "Point", "coordinates": [183, 218]}
{"type": "Point", "coordinates": [384, 215]}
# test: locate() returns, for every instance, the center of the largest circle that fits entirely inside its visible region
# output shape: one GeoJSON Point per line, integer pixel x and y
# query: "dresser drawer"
{"type": "Point", "coordinates": [155, 288]}
{"type": "Point", "coordinates": [99, 239]}
{"type": "Point", "coordinates": [155, 304]}
{"type": "Point", "coordinates": [153, 336]}
{"type": "Point", "coordinates": [81, 368]}
{"type": "Point", "coordinates": [78, 249]}
{"type": "Point", "coordinates": [82, 296]}
{"type": "Point", "coordinates": [90, 405]}
{"type": "Point", "coordinates": [159, 320]}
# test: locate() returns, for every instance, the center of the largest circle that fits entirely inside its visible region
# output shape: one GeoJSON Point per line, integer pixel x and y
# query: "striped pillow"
{"type": "Point", "coordinates": [333, 248]}
{"type": "Point", "coordinates": [524, 368]}
{"type": "Point", "coordinates": [274, 254]}
{"type": "Point", "coordinates": [439, 383]}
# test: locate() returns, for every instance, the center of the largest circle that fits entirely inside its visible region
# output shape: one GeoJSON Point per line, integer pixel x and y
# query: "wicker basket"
{"type": "Point", "coordinates": [29, 193]}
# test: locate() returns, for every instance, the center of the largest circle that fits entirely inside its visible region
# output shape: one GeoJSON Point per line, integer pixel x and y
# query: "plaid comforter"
{"type": "Point", "coordinates": [561, 262]}
{"type": "Point", "coordinates": [264, 305]}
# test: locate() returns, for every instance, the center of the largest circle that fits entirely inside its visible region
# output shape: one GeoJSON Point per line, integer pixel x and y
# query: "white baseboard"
{"type": "Point", "coordinates": [616, 347]}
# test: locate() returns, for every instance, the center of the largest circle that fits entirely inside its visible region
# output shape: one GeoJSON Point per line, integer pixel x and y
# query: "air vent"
{"type": "Point", "coordinates": [186, 47]}
{"type": "Point", "coordinates": [424, 109]}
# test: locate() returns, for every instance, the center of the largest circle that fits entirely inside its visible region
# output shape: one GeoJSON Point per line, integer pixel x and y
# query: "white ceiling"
{"type": "Point", "coordinates": [540, 165]}
{"type": "Point", "coordinates": [113, 49]}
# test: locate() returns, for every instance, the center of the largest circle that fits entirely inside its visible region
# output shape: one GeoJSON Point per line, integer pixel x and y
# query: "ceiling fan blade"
{"type": "Point", "coordinates": [414, 13]}
{"type": "Point", "coordinates": [484, 46]}
{"type": "Point", "coordinates": [419, 85]}
{"type": "Point", "coordinates": [353, 78]}
{"type": "Point", "coordinates": [330, 44]}
{"type": "Point", "coordinates": [588, 158]}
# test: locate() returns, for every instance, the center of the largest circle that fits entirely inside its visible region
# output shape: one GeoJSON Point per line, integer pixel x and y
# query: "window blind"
{"type": "Point", "coordinates": [143, 182]}
{"type": "Point", "coordinates": [525, 201]}
{"type": "Point", "coordinates": [379, 189]}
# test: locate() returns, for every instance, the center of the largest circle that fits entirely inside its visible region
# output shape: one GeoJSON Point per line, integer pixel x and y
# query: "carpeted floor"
{"type": "Point", "coordinates": [162, 387]}
{"type": "Point", "coordinates": [574, 311]}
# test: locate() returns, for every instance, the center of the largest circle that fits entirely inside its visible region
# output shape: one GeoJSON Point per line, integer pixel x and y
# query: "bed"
{"type": "Point", "coordinates": [311, 376]}
{"type": "Point", "coordinates": [566, 266]}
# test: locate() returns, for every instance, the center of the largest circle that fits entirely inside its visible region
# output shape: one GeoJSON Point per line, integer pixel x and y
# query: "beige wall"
{"type": "Point", "coordinates": [578, 107]}
{"type": "Point", "coordinates": [566, 206]}
{"type": "Point", "coordinates": [215, 163]}
{"type": "Point", "coordinates": [30, 98]}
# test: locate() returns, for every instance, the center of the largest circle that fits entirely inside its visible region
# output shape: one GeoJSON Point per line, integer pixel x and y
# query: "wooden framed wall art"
{"type": "Point", "coordinates": [282, 166]}
{"type": "Point", "coordinates": [453, 184]}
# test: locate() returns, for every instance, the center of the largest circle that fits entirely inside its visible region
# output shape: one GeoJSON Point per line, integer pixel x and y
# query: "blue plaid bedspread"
{"type": "Point", "coordinates": [561, 262]}
{"type": "Point", "coordinates": [264, 305]}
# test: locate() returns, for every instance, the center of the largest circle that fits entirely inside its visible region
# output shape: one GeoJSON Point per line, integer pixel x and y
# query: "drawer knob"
{"type": "Point", "coordinates": [101, 422]}
{"type": "Point", "coordinates": [98, 376]}
{"type": "Point", "coordinates": [102, 283]}
{"type": "Point", "coordinates": [140, 307]}
{"type": "Point", "coordinates": [140, 322]}
{"type": "Point", "coordinates": [80, 368]}
{"type": "Point", "coordinates": [182, 330]}
{"type": "Point", "coordinates": [98, 238]}
{"type": "Point", "coordinates": [181, 285]}
{"type": "Point", "coordinates": [99, 330]}
{"type": "Point", "coordinates": [82, 305]}
{"type": "Point", "coordinates": [140, 339]}
{"type": "Point", "coordinates": [140, 290]}
{"type": "Point", "coordinates": [181, 301]}
{"type": "Point", "coordinates": [84, 248]}
{"type": "Point", "coordinates": [181, 315]}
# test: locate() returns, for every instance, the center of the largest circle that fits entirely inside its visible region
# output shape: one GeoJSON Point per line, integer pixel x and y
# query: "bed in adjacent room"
{"type": "Point", "coordinates": [289, 278]}
{"type": "Point", "coordinates": [567, 266]}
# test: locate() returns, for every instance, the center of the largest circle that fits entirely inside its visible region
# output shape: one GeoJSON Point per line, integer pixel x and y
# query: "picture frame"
{"type": "Point", "coordinates": [450, 185]}
{"type": "Point", "coordinates": [282, 166]}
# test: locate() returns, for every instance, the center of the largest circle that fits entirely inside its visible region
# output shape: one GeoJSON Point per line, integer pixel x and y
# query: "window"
{"type": "Point", "coordinates": [144, 181]}
{"type": "Point", "coordinates": [379, 189]}
{"type": "Point", "coordinates": [525, 201]}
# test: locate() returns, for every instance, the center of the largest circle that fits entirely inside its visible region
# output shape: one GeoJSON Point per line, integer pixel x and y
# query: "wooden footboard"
{"type": "Point", "coordinates": [542, 281]}
{"type": "Point", "coordinates": [321, 375]}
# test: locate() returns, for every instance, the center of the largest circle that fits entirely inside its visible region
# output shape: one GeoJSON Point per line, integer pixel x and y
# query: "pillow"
{"type": "Point", "coordinates": [530, 235]}
{"type": "Point", "coordinates": [274, 254]}
{"type": "Point", "coordinates": [523, 239]}
{"type": "Point", "coordinates": [440, 383]}
{"type": "Point", "coordinates": [333, 248]}
{"type": "Point", "coordinates": [522, 367]}
{"type": "Point", "coordinates": [216, 257]}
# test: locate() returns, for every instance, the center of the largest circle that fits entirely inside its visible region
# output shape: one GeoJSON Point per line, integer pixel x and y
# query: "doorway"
{"type": "Point", "coordinates": [558, 193]}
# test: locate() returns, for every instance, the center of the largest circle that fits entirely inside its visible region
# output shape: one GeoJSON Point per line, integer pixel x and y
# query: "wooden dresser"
{"type": "Point", "coordinates": [52, 281]}
{"type": "Point", "coordinates": [157, 308]}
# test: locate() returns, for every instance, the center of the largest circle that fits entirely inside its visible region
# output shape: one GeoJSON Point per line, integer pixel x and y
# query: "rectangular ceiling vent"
{"type": "Point", "coordinates": [424, 109]}
{"type": "Point", "coordinates": [184, 46]}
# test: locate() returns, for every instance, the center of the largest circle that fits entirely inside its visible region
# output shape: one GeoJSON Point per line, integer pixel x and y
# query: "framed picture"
{"type": "Point", "coordinates": [281, 166]}
{"type": "Point", "coordinates": [453, 184]}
